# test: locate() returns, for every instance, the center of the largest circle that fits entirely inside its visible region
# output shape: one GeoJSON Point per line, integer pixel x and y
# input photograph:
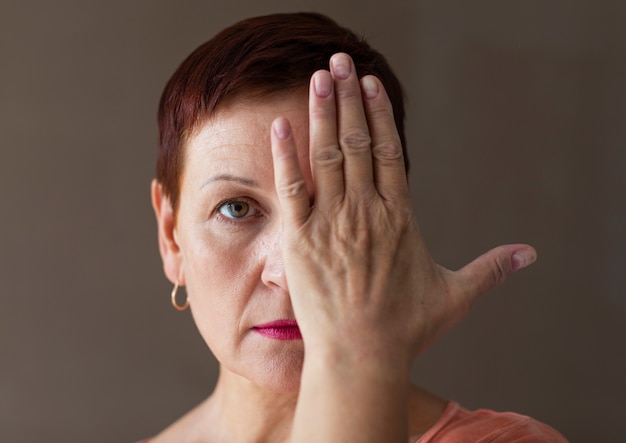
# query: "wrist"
{"type": "Point", "coordinates": [355, 390]}
{"type": "Point", "coordinates": [342, 360]}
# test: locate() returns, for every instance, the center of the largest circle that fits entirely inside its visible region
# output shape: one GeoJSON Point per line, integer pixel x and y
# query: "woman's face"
{"type": "Point", "coordinates": [229, 236]}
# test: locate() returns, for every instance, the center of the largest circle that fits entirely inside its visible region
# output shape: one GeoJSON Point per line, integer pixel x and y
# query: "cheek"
{"type": "Point", "coordinates": [217, 272]}
{"type": "Point", "coordinates": [218, 300]}
{"type": "Point", "coordinates": [221, 275]}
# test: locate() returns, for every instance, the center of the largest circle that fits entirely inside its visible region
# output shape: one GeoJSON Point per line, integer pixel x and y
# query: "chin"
{"type": "Point", "coordinates": [279, 372]}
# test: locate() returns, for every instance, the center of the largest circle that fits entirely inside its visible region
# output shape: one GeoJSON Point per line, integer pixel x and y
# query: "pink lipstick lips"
{"type": "Point", "coordinates": [279, 330]}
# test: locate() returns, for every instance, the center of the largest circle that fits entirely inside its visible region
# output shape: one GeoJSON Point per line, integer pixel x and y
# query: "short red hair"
{"type": "Point", "coordinates": [256, 57]}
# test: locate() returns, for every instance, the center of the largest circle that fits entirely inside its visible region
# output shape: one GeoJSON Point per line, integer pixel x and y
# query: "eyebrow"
{"type": "Point", "coordinates": [230, 178]}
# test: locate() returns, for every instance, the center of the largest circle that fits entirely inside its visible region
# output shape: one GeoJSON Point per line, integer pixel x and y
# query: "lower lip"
{"type": "Point", "coordinates": [280, 332]}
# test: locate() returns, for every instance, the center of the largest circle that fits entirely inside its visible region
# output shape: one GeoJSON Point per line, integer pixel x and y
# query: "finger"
{"type": "Point", "coordinates": [290, 185]}
{"type": "Point", "coordinates": [491, 269]}
{"type": "Point", "coordinates": [353, 133]}
{"type": "Point", "coordinates": [389, 172]}
{"type": "Point", "coordinates": [325, 156]}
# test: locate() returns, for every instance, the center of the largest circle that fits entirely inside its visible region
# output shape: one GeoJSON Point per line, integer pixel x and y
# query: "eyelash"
{"type": "Point", "coordinates": [253, 211]}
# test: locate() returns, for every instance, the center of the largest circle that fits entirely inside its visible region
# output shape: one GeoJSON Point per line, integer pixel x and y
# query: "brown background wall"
{"type": "Point", "coordinates": [517, 117]}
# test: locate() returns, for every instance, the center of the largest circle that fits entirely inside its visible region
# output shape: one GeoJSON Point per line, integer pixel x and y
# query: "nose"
{"type": "Point", "coordinates": [273, 274]}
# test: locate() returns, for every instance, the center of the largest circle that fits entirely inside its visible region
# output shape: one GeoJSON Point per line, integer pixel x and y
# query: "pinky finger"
{"type": "Point", "coordinates": [290, 185]}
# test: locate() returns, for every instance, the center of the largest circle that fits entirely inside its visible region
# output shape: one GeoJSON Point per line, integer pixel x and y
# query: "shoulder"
{"type": "Point", "coordinates": [186, 428]}
{"type": "Point", "coordinates": [481, 426]}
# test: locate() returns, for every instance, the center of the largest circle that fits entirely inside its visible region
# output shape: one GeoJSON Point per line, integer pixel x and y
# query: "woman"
{"type": "Point", "coordinates": [283, 207]}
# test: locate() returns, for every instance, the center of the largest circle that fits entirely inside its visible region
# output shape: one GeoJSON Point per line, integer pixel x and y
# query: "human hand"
{"type": "Point", "coordinates": [361, 279]}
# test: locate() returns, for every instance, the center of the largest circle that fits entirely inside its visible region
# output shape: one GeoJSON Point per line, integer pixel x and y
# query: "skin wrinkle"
{"type": "Point", "coordinates": [232, 178]}
{"type": "Point", "coordinates": [229, 157]}
{"type": "Point", "coordinates": [291, 189]}
{"type": "Point", "coordinates": [372, 302]}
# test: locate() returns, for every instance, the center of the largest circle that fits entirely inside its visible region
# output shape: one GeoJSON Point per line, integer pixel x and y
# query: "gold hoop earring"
{"type": "Point", "coordinates": [176, 305]}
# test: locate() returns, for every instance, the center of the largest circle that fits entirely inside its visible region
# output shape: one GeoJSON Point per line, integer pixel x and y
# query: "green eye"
{"type": "Point", "coordinates": [235, 209]}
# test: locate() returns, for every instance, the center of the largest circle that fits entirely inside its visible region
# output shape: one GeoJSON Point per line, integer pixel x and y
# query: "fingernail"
{"type": "Point", "coordinates": [370, 87]}
{"type": "Point", "coordinates": [340, 66]}
{"type": "Point", "coordinates": [522, 258]}
{"type": "Point", "coordinates": [281, 128]}
{"type": "Point", "coordinates": [323, 84]}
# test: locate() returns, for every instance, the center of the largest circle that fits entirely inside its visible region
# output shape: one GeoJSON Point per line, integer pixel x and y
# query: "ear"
{"type": "Point", "coordinates": [168, 245]}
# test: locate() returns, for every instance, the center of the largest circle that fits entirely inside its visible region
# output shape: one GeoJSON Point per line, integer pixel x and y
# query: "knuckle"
{"type": "Point", "coordinates": [349, 93]}
{"type": "Point", "coordinates": [499, 271]}
{"type": "Point", "coordinates": [320, 113]}
{"type": "Point", "coordinates": [389, 150]}
{"type": "Point", "coordinates": [355, 140]}
{"type": "Point", "coordinates": [381, 110]}
{"type": "Point", "coordinates": [291, 189]}
{"type": "Point", "coordinates": [328, 157]}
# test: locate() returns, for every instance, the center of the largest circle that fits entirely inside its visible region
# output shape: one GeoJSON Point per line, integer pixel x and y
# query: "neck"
{"type": "Point", "coordinates": [241, 411]}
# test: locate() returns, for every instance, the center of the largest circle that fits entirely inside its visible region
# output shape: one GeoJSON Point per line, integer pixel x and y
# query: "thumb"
{"type": "Point", "coordinates": [493, 268]}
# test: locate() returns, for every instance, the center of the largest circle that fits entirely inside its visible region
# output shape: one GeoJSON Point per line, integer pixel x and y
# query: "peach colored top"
{"type": "Point", "coordinates": [458, 425]}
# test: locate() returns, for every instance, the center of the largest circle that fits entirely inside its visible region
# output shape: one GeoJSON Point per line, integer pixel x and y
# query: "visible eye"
{"type": "Point", "coordinates": [235, 209]}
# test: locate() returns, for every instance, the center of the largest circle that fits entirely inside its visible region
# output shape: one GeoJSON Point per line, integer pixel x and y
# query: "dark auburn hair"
{"type": "Point", "coordinates": [257, 56]}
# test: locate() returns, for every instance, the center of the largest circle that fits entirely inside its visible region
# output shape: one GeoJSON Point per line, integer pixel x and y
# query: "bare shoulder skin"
{"type": "Point", "coordinates": [199, 425]}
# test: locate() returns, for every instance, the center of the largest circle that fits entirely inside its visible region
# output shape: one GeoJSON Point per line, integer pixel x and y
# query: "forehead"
{"type": "Point", "coordinates": [239, 130]}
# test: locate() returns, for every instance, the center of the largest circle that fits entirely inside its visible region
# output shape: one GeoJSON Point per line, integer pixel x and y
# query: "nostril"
{"type": "Point", "coordinates": [274, 272]}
